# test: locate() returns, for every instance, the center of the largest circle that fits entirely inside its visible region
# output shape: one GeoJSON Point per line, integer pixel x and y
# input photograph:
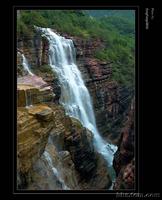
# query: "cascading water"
{"type": "Point", "coordinates": [26, 68]}
{"type": "Point", "coordinates": [75, 96]}
{"type": "Point", "coordinates": [25, 64]}
{"type": "Point", "coordinates": [28, 98]}
{"type": "Point", "coordinates": [54, 170]}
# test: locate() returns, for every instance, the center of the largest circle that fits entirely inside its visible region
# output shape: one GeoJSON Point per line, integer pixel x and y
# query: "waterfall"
{"type": "Point", "coordinates": [25, 64]}
{"type": "Point", "coordinates": [28, 98]}
{"type": "Point", "coordinates": [54, 170]}
{"type": "Point", "coordinates": [74, 95]}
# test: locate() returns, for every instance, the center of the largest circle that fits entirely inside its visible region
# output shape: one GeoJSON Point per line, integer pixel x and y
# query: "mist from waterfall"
{"type": "Point", "coordinates": [54, 170]}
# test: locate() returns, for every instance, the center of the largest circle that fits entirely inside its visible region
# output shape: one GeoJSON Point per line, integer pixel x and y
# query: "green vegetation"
{"type": "Point", "coordinates": [127, 14]}
{"type": "Point", "coordinates": [115, 28]}
{"type": "Point", "coordinates": [46, 69]}
{"type": "Point", "coordinates": [25, 23]}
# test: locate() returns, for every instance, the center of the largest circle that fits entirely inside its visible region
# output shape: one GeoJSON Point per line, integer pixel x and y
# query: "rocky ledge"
{"type": "Point", "coordinates": [44, 128]}
{"type": "Point", "coordinates": [32, 90]}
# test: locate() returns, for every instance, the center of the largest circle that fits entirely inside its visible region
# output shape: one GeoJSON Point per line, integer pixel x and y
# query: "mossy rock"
{"type": "Point", "coordinates": [44, 69]}
{"type": "Point", "coordinates": [72, 122]}
{"type": "Point", "coordinates": [76, 123]}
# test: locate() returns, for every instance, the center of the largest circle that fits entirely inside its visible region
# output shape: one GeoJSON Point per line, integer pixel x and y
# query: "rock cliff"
{"type": "Point", "coordinates": [35, 49]}
{"type": "Point", "coordinates": [33, 128]}
{"type": "Point", "coordinates": [124, 159]}
{"type": "Point", "coordinates": [44, 127]}
{"type": "Point", "coordinates": [110, 100]}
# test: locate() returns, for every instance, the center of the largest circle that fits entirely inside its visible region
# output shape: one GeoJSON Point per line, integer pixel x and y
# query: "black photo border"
{"type": "Point", "coordinates": [140, 31]}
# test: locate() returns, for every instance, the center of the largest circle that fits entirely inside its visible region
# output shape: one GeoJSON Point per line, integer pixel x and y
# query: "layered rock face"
{"type": "Point", "coordinates": [33, 128]}
{"type": "Point", "coordinates": [124, 160]}
{"type": "Point", "coordinates": [33, 90]}
{"type": "Point", "coordinates": [69, 135]}
{"type": "Point", "coordinates": [80, 145]}
{"type": "Point", "coordinates": [55, 172]}
{"type": "Point", "coordinates": [33, 124]}
{"type": "Point", "coordinates": [35, 49]}
{"type": "Point", "coordinates": [110, 101]}
{"type": "Point", "coordinates": [54, 151]}
{"type": "Point", "coordinates": [69, 145]}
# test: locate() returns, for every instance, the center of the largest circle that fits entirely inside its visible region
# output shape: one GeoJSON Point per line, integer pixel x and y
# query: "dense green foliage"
{"type": "Point", "coordinates": [127, 14]}
{"type": "Point", "coordinates": [115, 28]}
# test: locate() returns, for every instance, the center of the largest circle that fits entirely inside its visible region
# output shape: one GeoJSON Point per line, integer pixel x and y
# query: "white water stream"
{"type": "Point", "coordinates": [25, 64]}
{"type": "Point", "coordinates": [55, 171]}
{"type": "Point", "coordinates": [74, 95]}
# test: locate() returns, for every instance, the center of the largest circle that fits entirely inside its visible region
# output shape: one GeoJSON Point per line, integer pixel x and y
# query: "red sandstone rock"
{"type": "Point", "coordinates": [124, 163]}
